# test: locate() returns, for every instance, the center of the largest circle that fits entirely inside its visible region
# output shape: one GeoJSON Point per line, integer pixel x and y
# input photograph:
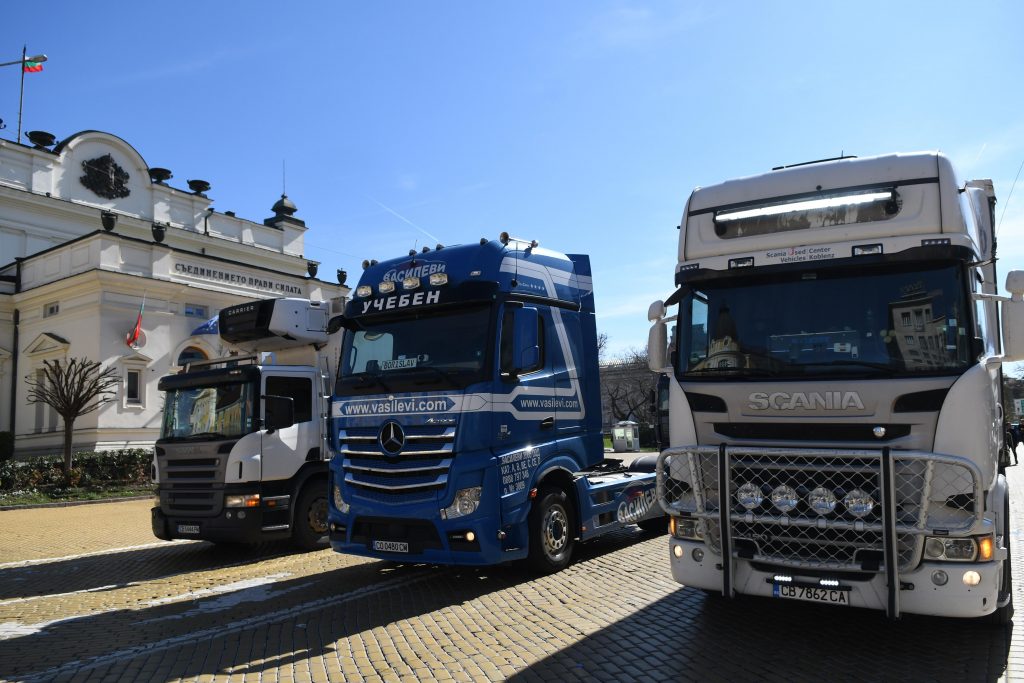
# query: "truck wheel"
{"type": "Point", "coordinates": [1003, 616]}
{"type": "Point", "coordinates": [552, 530]}
{"type": "Point", "coordinates": [309, 527]}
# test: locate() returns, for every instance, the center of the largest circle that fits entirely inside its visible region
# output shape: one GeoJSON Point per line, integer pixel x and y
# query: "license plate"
{"type": "Point", "coordinates": [830, 596]}
{"type": "Point", "coordinates": [188, 528]}
{"type": "Point", "coordinates": [391, 546]}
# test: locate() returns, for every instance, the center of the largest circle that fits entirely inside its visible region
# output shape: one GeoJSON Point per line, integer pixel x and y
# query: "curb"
{"type": "Point", "coordinates": [73, 503]}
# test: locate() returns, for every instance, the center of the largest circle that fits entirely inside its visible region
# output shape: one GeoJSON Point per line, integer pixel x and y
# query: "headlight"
{"type": "Point", "coordinates": [465, 503]}
{"type": "Point", "coordinates": [339, 502]}
{"type": "Point", "coordinates": [685, 529]}
{"type": "Point", "coordinates": [954, 549]}
{"type": "Point", "coordinates": [247, 501]}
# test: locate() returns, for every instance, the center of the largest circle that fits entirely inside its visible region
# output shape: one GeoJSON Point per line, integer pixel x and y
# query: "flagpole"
{"type": "Point", "coordinates": [21, 95]}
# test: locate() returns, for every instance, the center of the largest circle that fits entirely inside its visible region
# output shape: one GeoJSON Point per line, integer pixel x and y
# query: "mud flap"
{"type": "Point", "coordinates": [892, 577]}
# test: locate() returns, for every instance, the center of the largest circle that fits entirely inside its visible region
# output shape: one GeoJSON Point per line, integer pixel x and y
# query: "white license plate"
{"type": "Point", "coordinates": [391, 546]}
{"type": "Point", "coordinates": [188, 528]}
{"type": "Point", "coordinates": [830, 596]}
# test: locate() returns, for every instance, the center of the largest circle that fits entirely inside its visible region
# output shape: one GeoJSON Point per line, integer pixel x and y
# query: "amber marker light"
{"type": "Point", "coordinates": [985, 548]}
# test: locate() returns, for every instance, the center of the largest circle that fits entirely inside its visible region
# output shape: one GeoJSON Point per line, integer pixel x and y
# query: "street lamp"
{"type": "Point", "coordinates": [21, 95]}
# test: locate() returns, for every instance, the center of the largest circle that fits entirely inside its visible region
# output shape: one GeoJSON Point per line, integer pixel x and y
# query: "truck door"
{"type": "Point", "coordinates": [525, 413]}
{"type": "Point", "coordinates": [284, 450]}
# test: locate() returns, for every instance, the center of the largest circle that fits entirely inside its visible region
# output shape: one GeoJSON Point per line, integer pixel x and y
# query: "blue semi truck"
{"type": "Point", "coordinates": [466, 416]}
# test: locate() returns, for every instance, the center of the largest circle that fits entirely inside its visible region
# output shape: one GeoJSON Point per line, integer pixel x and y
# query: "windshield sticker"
{"type": "Point", "coordinates": [517, 468]}
{"type": "Point", "coordinates": [398, 364]}
{"type": "Point", "coordinates": [798, 254]}
{"type": "Point", "coordinates": [390, 303]}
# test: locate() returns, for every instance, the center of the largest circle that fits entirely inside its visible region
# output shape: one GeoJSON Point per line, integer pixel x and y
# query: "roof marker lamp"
{"type": "Point", "coordinates": [867, 249]}
{"type": "Point", "coordinates": [853, 199]}
{"type": "Point", "coordinates": [745, 262]}
{"type": "Point", "coordinates": [386, 287]}
{"type": "Point", "coordinates": [363, 291]}
{"type": "Point", "coordinates": [410, 283]}
{"type": "Point", "coordinates": [438, 279]}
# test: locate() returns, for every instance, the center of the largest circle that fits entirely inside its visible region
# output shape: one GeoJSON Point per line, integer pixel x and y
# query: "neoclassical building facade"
{"type": "Point", "coordinates": [89, 236]}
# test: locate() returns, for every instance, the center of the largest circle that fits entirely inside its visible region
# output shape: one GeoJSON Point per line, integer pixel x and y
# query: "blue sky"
{"type": "Point", "coordinates": [581, 124]}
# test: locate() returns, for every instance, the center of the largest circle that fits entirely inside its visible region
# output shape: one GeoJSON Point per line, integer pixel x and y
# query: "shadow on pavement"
{"type": "Point", "coordinates": [120, 568]}
{"type": "Point", "coordinates": [689, 636]}
{"type": "Point", "coordinates": [259, 627]}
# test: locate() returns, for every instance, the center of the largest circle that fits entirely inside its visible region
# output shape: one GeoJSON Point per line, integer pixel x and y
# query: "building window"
{"type": "Point", "coordinates": [908, 339]}
{"type": "Point", "coordinates": [51, 309]}
{"type": "Point", "coordinates": [190, 354]}
{"type": "Point", "coordinates": [197, 311]}
{"type": "Point", "coordinates": [132, 394]}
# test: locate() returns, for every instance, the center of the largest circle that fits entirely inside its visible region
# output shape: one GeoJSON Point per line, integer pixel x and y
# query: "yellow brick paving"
{"type": "Point", "coordinates": [194, 612]}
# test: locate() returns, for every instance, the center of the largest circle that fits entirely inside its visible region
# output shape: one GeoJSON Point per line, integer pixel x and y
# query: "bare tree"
{"type": "Point", "coordinates": [602, 345]}
{"type": "Point", "coordinates": [73, 388]}
{"type": "Point", "coordinates": [627, 385]}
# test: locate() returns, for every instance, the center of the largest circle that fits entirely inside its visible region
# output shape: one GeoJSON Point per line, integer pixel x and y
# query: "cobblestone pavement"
{"type": "Point", "coordinates": [86, 594]}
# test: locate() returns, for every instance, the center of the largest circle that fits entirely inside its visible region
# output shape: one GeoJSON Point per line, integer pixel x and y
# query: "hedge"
{"type": "Point", "coordinates": [126, 467]}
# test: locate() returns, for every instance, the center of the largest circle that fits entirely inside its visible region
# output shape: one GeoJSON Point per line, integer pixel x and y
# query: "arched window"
{"type": "Point", "coordinates": [190, 354]}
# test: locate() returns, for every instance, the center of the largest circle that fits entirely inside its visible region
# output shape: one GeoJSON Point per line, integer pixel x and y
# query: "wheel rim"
{"type": "Point", "coordinates": [555, 531]}
{"type": "Point", "coordinates": [317, 516]}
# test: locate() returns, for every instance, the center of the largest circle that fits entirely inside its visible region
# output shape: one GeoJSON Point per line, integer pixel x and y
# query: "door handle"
{"type": "Point", "coordinates": [547, 423]}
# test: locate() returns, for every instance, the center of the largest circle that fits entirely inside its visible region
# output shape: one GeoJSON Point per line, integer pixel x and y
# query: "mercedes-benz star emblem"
{"type": "Point", "coordinates": [392, 438]}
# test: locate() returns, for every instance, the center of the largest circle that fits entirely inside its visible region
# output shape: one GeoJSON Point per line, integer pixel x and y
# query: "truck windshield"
{"type": "Point", "coordinates": [220, 411]}
{"type": "Point", "coordinates": [418, 352]}
{"type": "Point", "coordinates": [889, 319]}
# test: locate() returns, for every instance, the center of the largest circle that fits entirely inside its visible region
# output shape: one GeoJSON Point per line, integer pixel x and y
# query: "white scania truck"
{"type": "Point", "coordinates": [834, 370]}
{"type": "Point", "coordinates": [243, 448]}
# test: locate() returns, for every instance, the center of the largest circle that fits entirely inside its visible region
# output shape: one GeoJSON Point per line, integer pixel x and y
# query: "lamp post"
{"type": "Point", "coordinates": [21, 94]}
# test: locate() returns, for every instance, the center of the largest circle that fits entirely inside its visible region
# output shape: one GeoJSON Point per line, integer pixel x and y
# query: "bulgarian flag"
{"type": "Point", "coordinates": [132, 338]}
{"type": "Point", "coordinates": [31, 67]}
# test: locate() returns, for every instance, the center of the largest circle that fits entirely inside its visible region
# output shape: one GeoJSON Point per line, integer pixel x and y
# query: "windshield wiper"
{"type": "Point", "coordinates": [839, 362]}
{"type": "Point", "coordinates": [204, 435]}
{"type": "Point", "coordinates": [444, 374]}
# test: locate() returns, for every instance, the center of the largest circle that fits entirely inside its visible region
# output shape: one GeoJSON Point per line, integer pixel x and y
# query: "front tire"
{"type": "Point", "coordinates": [309, 527]}
{"type": "Point", "coordinates": [552, 531]}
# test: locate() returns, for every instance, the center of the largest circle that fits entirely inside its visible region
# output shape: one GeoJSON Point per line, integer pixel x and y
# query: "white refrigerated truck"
{"type": "Point", "coordinates": [243, 448]}
{"type": "Point", "coordinates": [834, 369]}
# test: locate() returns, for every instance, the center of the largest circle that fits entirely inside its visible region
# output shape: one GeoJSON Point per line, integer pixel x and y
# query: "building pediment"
{"type": "Point", "coordinates": [48, 343]}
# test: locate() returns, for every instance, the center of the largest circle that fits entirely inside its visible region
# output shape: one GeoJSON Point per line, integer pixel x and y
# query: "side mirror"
{"type": "Point", "coordinates": [1012, 315]}
{"type": "Point", "coordinates": [657, 347]}
{"type": "Point", "coordinates": [526, 340]}
{"type": "Point", "coordinates": [279, 412]}
{"type": "Point", "coordinates": [335, 324]}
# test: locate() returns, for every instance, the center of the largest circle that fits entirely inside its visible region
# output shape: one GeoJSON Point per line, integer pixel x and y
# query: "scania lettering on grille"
{"type": "Point", "coordinates": [814, 400]}
{"type": "Point", "coordinates": [390, 303]}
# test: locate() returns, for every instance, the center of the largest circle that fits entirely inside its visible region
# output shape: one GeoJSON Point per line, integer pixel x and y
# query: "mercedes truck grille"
{"type": "Point", "coordinates": [820, 509]}
{"type": "Point", "coordinates": [414, 473]}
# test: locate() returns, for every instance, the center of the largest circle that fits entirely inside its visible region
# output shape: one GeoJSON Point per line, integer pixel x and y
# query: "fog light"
{"type": "Point", "coordinates": [939, 577]}
{"type": "Point", "coordinates": [784, 498]}
{"type": "Point", "coordinates": [697, 554]}
{"type": "Point", "coordinates": [972, 578]}
{"type": "Point", "coordinates": [749, 495]}
{"type": "Point", "coordinates": [677, 550]}
{"type": "Point", "coordinates": [822, 500]}
{"type": "Point", "coordinates": [858, 503]}
{"type": "Point", "coordinates": [241, 514]}
{"type": "Point", "coordinates": [470, 536]}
